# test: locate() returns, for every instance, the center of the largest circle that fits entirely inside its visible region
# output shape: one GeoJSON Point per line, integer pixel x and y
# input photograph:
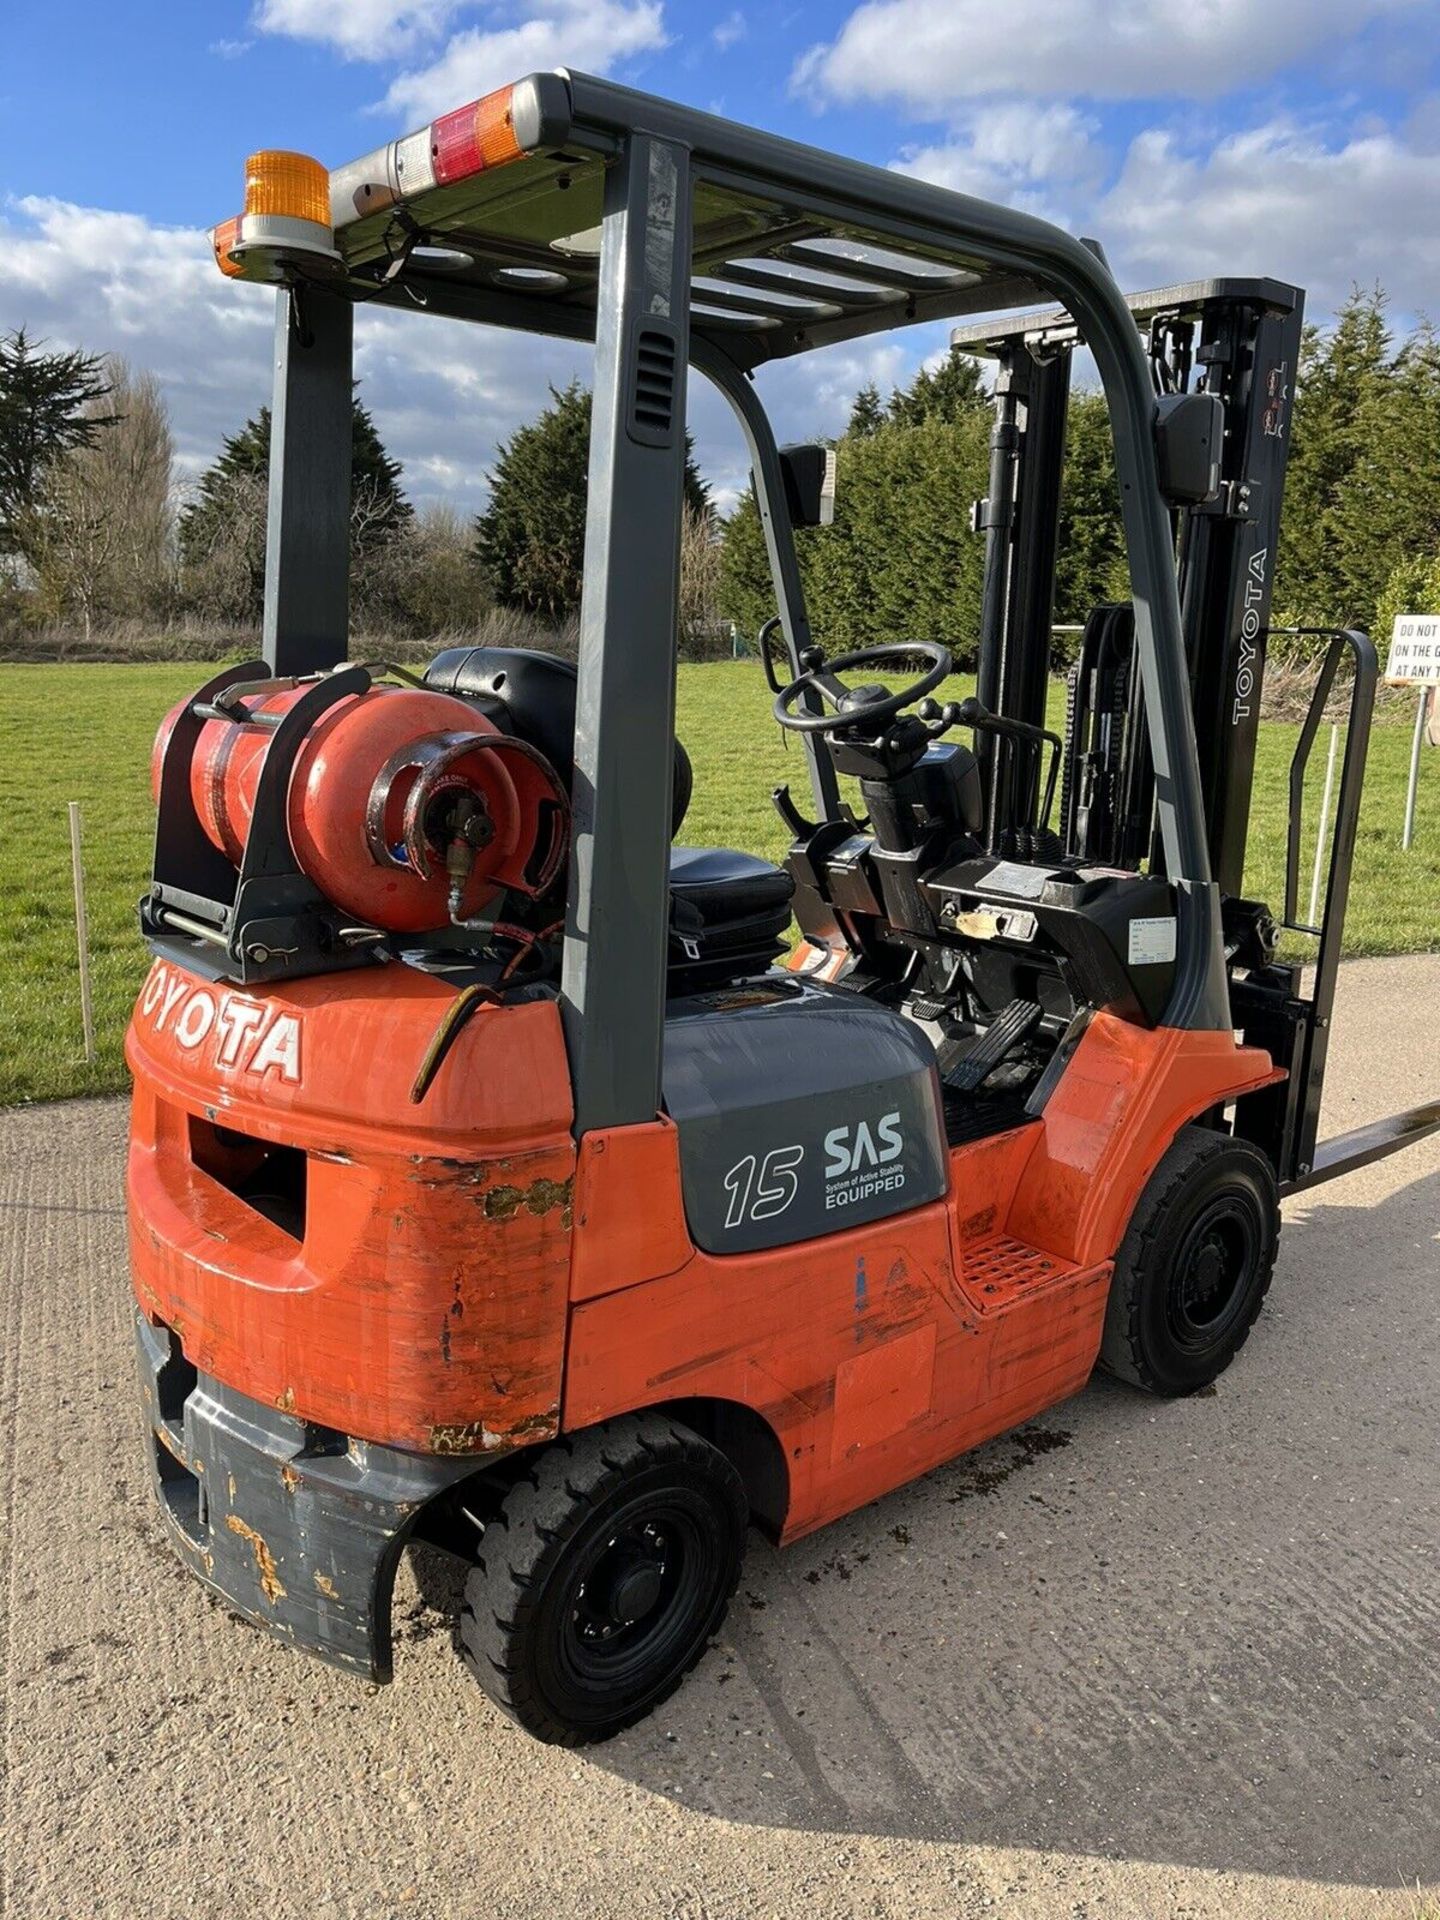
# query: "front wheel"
{"type": "Point", "coordinates": [604, 1577]}
{"type": "Point", "coordinates": [1194, 1266]}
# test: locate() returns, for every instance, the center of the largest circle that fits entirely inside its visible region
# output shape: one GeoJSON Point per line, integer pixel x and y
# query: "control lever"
{"type": "Point", "coordinates": [970, 713]}
{"type": "Point", "coordinates": [939, 719]}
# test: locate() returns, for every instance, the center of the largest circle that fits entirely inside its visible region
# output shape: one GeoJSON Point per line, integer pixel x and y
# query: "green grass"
{"type": "Point", "coordinates": [83, 733]}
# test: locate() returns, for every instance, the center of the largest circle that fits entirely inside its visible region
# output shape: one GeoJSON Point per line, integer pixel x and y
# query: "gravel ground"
{"type": "Point", "coordinates": [1169, 1660]}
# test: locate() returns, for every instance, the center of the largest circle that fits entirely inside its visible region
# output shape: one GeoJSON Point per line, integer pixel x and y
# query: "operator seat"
{"type": "Point", "coordinates": [729, 910]}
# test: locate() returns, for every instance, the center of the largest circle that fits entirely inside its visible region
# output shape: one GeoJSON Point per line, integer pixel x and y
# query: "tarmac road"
{"type": "Point", "coordinates": [1137, 1660]}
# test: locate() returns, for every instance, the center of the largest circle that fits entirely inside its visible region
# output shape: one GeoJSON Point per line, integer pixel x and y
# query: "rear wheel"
{"type": "Point", "coordinates": [604, 1577]}
{"type": "Point", "coordinates": [1194, 1266]}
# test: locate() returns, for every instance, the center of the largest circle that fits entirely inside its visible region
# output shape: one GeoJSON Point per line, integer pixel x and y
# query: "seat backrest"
{"type": "Point", "coordinates": [532, 694]}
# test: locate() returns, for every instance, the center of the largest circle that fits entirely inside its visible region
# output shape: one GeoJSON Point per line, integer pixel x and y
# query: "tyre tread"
{"type": "Point", "coordinates": [1122, 1347]}
{"type": "Point", "coordinates": [540, 1511]}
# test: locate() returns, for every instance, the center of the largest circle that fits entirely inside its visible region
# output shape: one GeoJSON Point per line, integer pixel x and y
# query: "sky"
{"type": "Point", "coordinates": [1295, 138]}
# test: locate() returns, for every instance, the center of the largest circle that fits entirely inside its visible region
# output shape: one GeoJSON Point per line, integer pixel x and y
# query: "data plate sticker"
{"type": "Point", "coordinates": [1152, 942]}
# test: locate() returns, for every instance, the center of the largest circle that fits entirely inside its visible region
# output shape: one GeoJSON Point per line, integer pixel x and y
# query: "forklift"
{"type": "Point", "coordinates": [495, 1181]}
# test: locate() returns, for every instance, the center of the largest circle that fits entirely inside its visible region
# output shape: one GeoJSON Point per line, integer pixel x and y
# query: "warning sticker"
{"type": "Point", "coordinates": [1152, 941]}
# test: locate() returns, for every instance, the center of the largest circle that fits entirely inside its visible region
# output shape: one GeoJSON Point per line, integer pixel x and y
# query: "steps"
{"type": "Point", "coordinates": [997, 1270]}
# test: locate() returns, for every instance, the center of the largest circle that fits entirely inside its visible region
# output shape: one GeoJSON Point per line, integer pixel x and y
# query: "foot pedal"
{"type": "Point", "coordinates": [982, 1056]}
{"type": "Point", "coordinates": [923, 1007]}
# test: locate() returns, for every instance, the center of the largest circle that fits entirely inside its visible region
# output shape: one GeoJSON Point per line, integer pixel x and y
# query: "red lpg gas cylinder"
{"type": "Point", "coordinates": [371, 776]}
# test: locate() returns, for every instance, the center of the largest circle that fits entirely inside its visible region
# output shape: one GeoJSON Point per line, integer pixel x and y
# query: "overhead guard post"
{"type": "Point", "coordinates": [616, 938]}
{"type": "Point", "coordinates": [780, 551]}
{"type": "Point", "coordinates": [307, 552]}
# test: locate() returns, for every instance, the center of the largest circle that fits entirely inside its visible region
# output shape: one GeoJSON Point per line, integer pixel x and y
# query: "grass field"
{"type": "Point", "coordinates": [83, 733]}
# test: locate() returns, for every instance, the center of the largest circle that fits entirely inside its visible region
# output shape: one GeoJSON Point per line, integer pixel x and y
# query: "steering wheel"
{"type": "Point", "coordinates": [850, 707]}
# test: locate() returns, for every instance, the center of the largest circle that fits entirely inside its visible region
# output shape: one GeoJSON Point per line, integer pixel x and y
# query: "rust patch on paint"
{"type": "Point", "coordinates": [286, 1401]}
{"type": "Point", "coordinates": [264, 1559]}
{"type": "Point", "coordinates": [326, 1585]}
{"type": "Point", "coordinates": [474, 1436]}
{"type": "Point", "coordinates": [540, 1197]}
{"type": "Point", "coordinates": [289, 1477]}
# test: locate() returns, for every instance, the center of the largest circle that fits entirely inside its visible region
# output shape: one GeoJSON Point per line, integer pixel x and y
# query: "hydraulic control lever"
{"type": "Point", "coordinates": [970, 713]}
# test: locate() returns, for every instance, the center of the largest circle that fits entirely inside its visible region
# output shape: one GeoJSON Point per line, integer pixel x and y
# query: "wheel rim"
{"type": "Point", "coordinates": [638, 1597]}
{"type": "Point", "coordinates": [1213, 1272]}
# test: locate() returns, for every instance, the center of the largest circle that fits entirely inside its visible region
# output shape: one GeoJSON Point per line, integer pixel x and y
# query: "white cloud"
{"type": "Point", "coordinates": [813, 393]}
{"type": "Point", "coordinates": [359, 29]}
{"type": "Point", "coordinates": [1285, 200]}
{"type": "Point", "coordinates": [116, 283]}
{"type": "Point", "coordinates": [443, 393]}
{"type": "Point", "coordinates": [931, 56]}
{"type": "Point", "coordinates": [1041, 157]}
{"type": "Point", "coordinates": [591, 35]}
{"type": "Point", "coordinates": [230, 49]}
{"type": "Point", "coordinates": [732, 28]}
{"type": "Point", "coordinates": [1324, 205]}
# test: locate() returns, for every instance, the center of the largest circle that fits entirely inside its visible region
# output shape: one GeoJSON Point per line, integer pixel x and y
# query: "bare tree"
{"type": "Point", "coordinates": [72, 542]}
{"type": "Point", "coordinates": [223, 576]}
{"type": "Point", "coordinates": [701, 557]}
{"type": "Point", "coordinates": [98, 537]}
{"type": "Point", "coordinates": [136, 458]}
{"type": "Point", "coordinates": [418, 579]}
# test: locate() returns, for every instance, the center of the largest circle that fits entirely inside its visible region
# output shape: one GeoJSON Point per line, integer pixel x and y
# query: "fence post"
{"type": "Point", "coordinates": [82, 930]}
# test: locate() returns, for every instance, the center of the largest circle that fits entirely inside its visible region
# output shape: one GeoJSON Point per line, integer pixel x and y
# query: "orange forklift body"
{"type": "Point", "coordinates": [464, 1284]}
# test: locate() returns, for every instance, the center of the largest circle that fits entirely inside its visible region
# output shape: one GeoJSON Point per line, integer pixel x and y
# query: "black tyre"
{"type": "Point", "coordinates": [1194, 1266]}
{"type": "Point", "coordinates": [604, 1578]}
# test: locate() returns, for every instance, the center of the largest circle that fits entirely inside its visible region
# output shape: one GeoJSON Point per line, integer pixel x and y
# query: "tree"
{"type": "Point", "coordinates": [700, 577]}
{"type": "Point", "coordinates": [97, 536]}
{"type": "Point", "coordinates": [71, 541]}
{"type": "Point", "coordinates": [424, 580]}
{"type": "Point", "coordinates": [899, 562]}
{"type": "Point", "coordinates": [1091, 552]}
{"type": "Point", "coordinates": [867, 416]}
{"type": "Point", "coordinates": [953, 391]}
{"type": "Point", "coordinates": [530, 540]}
{"type": "Point", "coordinates": [1390, 503]}
{"type": "Point", "coordinates": [1339, 382]}
{"type": "Point", "coordinates": [222, 530]}
{"type": "Point", "coordinates": [49, 405]}
{"type": "Point", "coordinates": [746, 593]}
{"type": "Point", "coordinates": [1361, 521]}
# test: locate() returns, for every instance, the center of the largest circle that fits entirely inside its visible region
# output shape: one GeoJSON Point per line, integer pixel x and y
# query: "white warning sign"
{"type": "Point", "coordinates": [1414, 651]}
